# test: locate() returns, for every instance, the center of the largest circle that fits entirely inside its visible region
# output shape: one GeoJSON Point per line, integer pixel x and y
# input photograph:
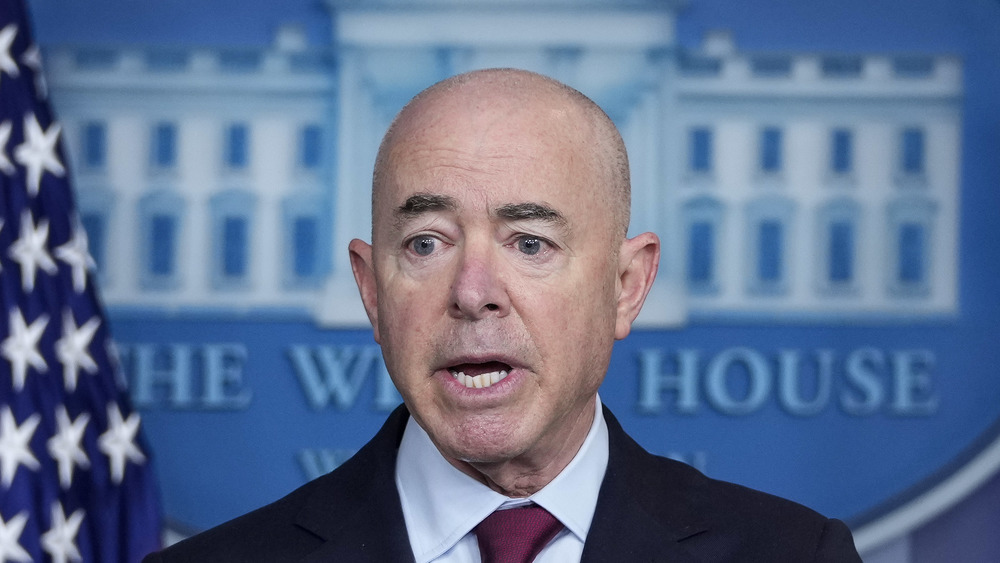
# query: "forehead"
{"type": "Point", "coordinates": [534, 150]}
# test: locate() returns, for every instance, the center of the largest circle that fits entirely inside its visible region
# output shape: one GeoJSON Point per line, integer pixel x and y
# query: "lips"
{"type": "Point", "coordinates": [479, 375]}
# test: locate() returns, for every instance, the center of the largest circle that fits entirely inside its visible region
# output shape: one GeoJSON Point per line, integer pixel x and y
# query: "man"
{"type": "Point", "coordinates": [498, 278]}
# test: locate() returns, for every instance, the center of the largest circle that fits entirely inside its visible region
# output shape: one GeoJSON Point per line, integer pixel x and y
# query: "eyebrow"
{"type": "Point", "coordinates": [419, 204]}
{"type": "Point", "coordinates": [530, 212]}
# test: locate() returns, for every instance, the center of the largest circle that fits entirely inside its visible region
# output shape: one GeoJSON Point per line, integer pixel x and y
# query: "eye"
{"type": "Point", "coordinates": [423, 245]}
{"type": "Point", "coordinates": [530, 245]}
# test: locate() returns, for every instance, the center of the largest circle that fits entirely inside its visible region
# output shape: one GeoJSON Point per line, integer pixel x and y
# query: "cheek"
{"type": "Point", "coordinates": [591, 316]}
{"type": "Point", "coordinates": [403, 325]}
{"type": "Point", "coordinates": [572, 318]}
{"type": "Point", "coordinates": [409, 313]}
{"type": "Point", "coordinates": [594, 293]}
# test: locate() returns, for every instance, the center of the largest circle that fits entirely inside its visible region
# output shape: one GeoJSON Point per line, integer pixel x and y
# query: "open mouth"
{"type": "Point", "coordinates": [480, 376]}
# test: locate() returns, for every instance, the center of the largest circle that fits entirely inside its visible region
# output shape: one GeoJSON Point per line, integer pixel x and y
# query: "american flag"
{"type": "Point", "coordinates": [75, 477]}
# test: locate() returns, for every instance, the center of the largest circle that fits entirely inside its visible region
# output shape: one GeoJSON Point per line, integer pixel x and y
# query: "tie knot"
{"type": "Point", "coordinates": [516, 535]}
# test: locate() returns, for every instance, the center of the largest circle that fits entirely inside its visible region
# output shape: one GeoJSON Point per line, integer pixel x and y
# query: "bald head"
{"type": "Point", "coordinates": [501, 92]}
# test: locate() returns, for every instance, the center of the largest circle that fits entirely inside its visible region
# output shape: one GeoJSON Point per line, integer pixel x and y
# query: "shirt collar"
{"type": "Point", "coordinates": [572, 495]}
{"type": "Point", "coordinates": [441, 504]}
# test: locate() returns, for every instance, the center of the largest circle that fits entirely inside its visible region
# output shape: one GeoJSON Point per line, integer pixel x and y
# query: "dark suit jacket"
{"type": "Point", "coordinates": [649, 509]}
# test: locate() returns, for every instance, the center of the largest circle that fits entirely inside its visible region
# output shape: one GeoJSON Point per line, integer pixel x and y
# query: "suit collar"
{"type": "Point", "coordinates": [356, 509]}
{"type": "Point", "coordinates": [642, 514]}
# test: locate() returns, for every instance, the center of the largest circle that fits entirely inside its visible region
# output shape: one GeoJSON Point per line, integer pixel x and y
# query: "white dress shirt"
{"type": "Point", "coordinates": [442, 505]}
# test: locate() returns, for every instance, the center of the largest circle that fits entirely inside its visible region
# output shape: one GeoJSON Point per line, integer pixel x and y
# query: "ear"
{"type": "Point", "coordinates": [637, 263]}
{"type": "Point", "coordinates": [364, 275]}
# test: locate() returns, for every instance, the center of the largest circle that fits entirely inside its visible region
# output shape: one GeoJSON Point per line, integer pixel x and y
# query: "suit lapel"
{"type": "Point", "coordinates": [356, 510]}
{"type": "Point", "coordinates": [639, 515]}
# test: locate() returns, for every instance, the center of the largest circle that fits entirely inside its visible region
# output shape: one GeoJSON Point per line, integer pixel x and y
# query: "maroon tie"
{"type": "Point", "coordinates": [516, 535]}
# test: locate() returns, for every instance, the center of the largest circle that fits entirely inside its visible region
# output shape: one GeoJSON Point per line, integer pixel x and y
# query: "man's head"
{"type": "Point", "coordinates": [499, 260]}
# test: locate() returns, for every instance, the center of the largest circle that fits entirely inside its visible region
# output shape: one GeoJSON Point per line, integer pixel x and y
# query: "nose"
{"type": "Point", "coordinates": [478, 290]}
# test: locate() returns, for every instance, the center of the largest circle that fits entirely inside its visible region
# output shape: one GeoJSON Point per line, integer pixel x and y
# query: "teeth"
{"type": "Point", "coordinates": [480, 381]}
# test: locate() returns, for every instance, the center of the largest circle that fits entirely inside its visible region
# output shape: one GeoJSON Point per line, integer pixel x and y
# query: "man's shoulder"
{"type": "Point", "coordinates": [718, 519]}
{"type": "Point", "coordinates": [268, 533]}
{"type": "Point", "coordinates": [341, 504]}
{"type": "Point", "coordinates": [741, 520]}
{"type": "Point", "coordinates": [667, 484]}
{"type": "Point", "coordinates": [721, 499]}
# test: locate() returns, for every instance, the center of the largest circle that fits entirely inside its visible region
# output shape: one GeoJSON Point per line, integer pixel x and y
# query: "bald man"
{"type": "Point", "coordinates": [498, 278]}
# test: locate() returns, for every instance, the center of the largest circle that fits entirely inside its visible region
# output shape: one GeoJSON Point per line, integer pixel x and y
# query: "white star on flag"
{"type": "Point", "coordinates": [71, 349]}
{"type": "Point", "coordinates": [21, 347]}
{"type": "Point", "coordinates": [7, 62]}
{"type": "Point", "coordinates": [60, 540]}
{"type": "Point", "coordinates": [64, 446]}
{"type": "Point", "coordinates": [38, 152]}
{"type": "Point", "coordinates": [6, 166]}
{"type": "Point", "coordinates": [118, 442]}
{"type": "Point", "coordinates": [29, 251]}
{"type": "Point", "coordinates": [10, 534]}
{"type": "Point", "coordinates": [14, 445]}
{"type": "Point", "coordinates": [76, 254]}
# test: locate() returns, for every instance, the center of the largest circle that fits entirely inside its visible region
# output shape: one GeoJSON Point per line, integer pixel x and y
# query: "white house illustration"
{"type": "Point", "coordinates": [783, 185]}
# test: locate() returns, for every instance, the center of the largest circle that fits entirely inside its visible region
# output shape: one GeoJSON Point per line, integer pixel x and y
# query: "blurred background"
{"type": "Point", "coordinates": [823, 176]}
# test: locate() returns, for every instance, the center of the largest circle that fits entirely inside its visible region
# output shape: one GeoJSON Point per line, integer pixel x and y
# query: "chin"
{"type": "Point", "coordinates": [488, 448]}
